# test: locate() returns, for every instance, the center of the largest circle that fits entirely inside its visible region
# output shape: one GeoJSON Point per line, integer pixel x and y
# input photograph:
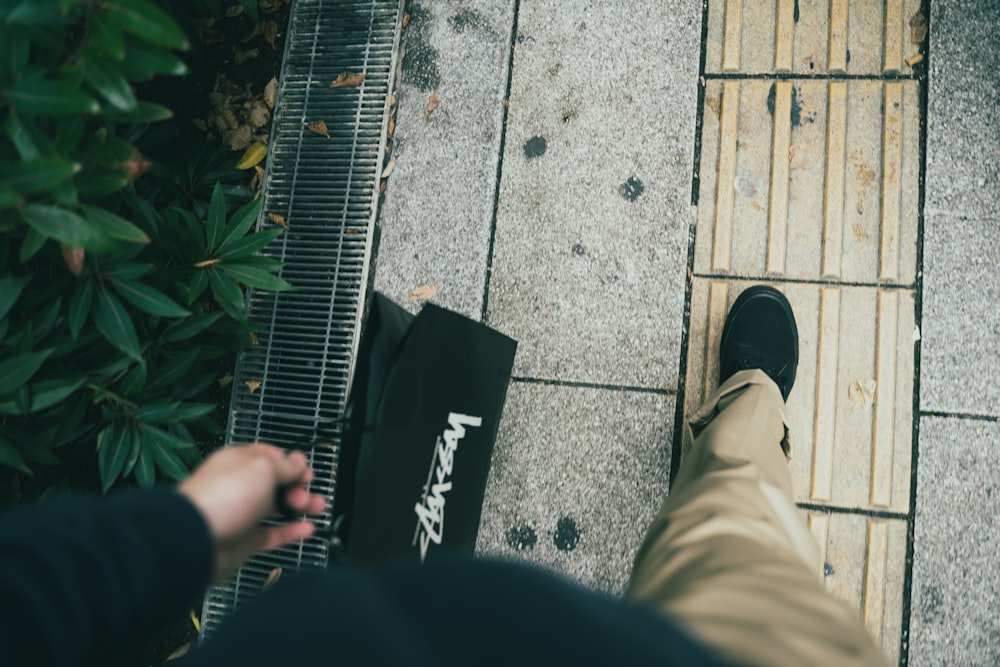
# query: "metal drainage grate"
{"type": "Point", "coordinates": [326, 187]}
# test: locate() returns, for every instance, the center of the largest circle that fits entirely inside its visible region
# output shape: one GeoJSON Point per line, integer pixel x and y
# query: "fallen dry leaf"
{"type": "Point", "coordinates": [278, 220]}
{"type": "Point", "coordinates": [918, 27]}
{"type": "Point", "coordinates": [252, 385]}
{"type": "Point", "coordinates": [225, 381]}
{"type": "Point", "coordinates": [319, 127]}
{"type": "Point", "coordinates": [423, 293]}
{"type": "Point", "coordinates": [862, 392]}
{"type": "Point", "coordinates": [381, 188]}
{"type": "Point", "coordinates": [253, 338]}
{"type": "Point", "coordinates": [74, 259]}
{"type": "Point", "coordinates": [915, 59]}
{"type": "Point", "coordinates": [179, 652]}
{"type": "Point", "coordinates": [271, 92]}
{"type": "Point", "coordinates": [432, 104]}
{"type": "Point", "coordinates": [348, 80]}
{"type": "Point", "coordinates": [388, 169]}
{"type": "Point", "coordinates": [391, 100]}
{"type": "Point", "coordinates": [252, 156]}
{"type": "Point", "coordinates": [206, 262]}
{"type": "Point", "coordinates": [916, 334]}
{"type": "Point", "coordinates": [258, 178]}
{"type": "Point", "coordinates": [234, 11]}
{"type": "Point", "coordinates": [195, 622]}
{"type": "Point", "coordinates": [271, 578]}
{"type": "Point", "coordinates": [392, 126]}
{"type": "Point", "coordinates": [406, 20]}
{"type": "Point", "coordinates": [240, 57]}
{"type": "Point", "coordinates": [271, 32]}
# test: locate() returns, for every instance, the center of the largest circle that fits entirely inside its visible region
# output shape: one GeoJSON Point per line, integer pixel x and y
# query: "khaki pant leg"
{"type": "Point", "coordinates": [730, 557]}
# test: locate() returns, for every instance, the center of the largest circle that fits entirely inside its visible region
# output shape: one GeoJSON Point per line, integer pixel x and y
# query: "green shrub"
{"type": "Point", "coordinates": [120, 295]}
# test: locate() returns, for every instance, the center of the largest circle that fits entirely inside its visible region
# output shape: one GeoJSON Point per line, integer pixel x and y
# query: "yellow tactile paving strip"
{"type": "Point", "coordinates": [809, 181]}
{"type": "Point", "coordinates": [862, 37]}
{"type": "Point", "coordinates": [840, 202]}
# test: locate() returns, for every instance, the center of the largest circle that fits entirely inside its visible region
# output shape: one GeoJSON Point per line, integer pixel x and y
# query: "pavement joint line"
{"type": "Point", "coordinates": [678, 437]}
{"type": "Point", "coordinates": [960, 415]}
{"type": "Point", "coordinates": [826, 282]}
{"type": "Point", "coordinates": [700, 108]}
{"type": "Point", "coordinates": [792, 76]}
{"type": "Point", "coordinates": [593, 385]}
{"type": "Point", "coordinates": [503, 146]}
{"type": "Point", "coordinates": [856, 511]}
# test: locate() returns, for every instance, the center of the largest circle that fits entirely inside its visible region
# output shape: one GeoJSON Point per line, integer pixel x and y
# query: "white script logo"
{"type": "Point", "coordinates": [430, 509]}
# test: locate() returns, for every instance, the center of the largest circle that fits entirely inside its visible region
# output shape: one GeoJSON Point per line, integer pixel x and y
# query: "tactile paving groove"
{"type": "Point", "coordinates": [851, 408]}
{"type": "Point", "coordinates": [810, 180]}
{"type": "Point", "coordinates": [810, 37]}
{"type": "Point", "coordinates": [864, 564]}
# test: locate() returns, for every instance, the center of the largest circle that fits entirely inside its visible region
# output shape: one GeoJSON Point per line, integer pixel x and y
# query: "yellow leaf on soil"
{"type": "Point", "coordinates": [271, 578]}
{"type": "Point", "coordinates": [180, 652]}
{"type": "Point", "coordinates": [195, 622]}
{"type": "Point", "coordinates": [253, 385]}
{"type": "Point", "coordinates": [319, 127]}
{"type": "Point", "coordinates": [432, 104]}
{"type": "Point", "coordinates": [424, 293]}
{"type": "Point", "coordinates": [252, 157]}
{"type": "Point", "coordinates": [348, 80]}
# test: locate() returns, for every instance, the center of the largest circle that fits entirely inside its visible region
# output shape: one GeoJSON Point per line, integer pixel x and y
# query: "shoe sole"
{"type": "Point", "coordinates": [758, 291]}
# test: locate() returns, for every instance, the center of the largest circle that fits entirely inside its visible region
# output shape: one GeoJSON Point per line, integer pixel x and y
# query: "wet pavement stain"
{"type": "Point", "coordinates": [567, 534]}
{"type": "Point", "coordinates": [420, 62]}
{"type": "Point", "coordinates": [522, 537]}
{"type": "Point", "coordinates": [796, 12]}
{"type": "Point", "coordinates": [468, 19]}
{"type": "Point", "coordinates": [828, 570]}
{"type": "Point", "coordinates": [579, 250]}
{"type": "Point", "coordinates": [535, 147]}
{"type": "Point", "coordinates": [796, 112]}
{"type": "Point", "coordinates": [631, 189]}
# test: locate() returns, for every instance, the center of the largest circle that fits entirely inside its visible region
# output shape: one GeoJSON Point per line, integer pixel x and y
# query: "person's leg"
{"type": "Point", "coordinates": [730, 556]}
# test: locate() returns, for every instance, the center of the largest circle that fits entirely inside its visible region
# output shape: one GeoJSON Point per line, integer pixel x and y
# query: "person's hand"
{"type": "Point", "coordinates": [236, 487]}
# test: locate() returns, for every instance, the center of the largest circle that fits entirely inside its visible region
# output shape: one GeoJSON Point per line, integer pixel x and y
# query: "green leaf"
{"type": "Point", "coordinates": [36, 452]}
{"type": "Point", "coordinates": [66, 227]}
{"type": "Point", "coordinates": [160, 412]}
{"type": "Point", "coordinates": [172, 370]}
{"type": "Point", "coordinates": [165, 458]}
{"type": "Point", "coordinates": [127, 271]}
{"type": "Point", "coordinates": [189, 327]}
{"type": "Point", "coordinates": [26, 140]}
{"type": "Point", "coordinates": [241, 222]}
{"type": "Point", "coordinates": [134, 381]}
{"type": "Point", "coordinates": [142, 19]}
{"type": "Point", "coordinates": [31, 177]}
{"type": "Point", "coordinates": [22, 398]}
{"type": "Point", "coordinates": [142, 61]}
{"type": "Point", "coordinates": [150, 300]}
{"type": "Point", "coordinates": [33, 242]}
{"type": "Point", "coordinates": [114, 225]}
{"type": "Point", "coordinates": [145, 473]}
{"type": "Point", "coordinates": [106, 36]}
{"type": "Point", "coordinates": [144, 112]}
{"type": "Point", "coordinates": [255, 277]}
{"type": "Point", "coordinates": [9, 198]}
{"type": "Point", "coordinates": [14, 45]}
{"type": "Point", "coordinates": [10, 457]}
{"type": "Point", "coordinates": [100, 182]}
{"type": "Point", "coordinates": [228, 295]}
{"type": "Point", "coordinates": [49, 98]}
{"type": "Point", "coordinates": [79, 306]}
{"type": "Point", "coordinates": [134, 449]}
{"type": "Point", "coordinates": [115, 324]}
{"type": "Point", "coordinates": [47, 393]}
{"type": "Point", "coordinates": [248, 245]}
{"type": "Point", "coordinates": [46, 319]}
{"type": "Point", "coordinates": [36, 13]}
{"type": "Point", "coordinates": [113, 446]}
{"type": "Point", "coordinates": [14, 372]}
{"type": "Point", "coordinates": [216, 217]}
{"type": "Point", "coordinates": [169, 440]}
{"type": "Point", "coordinates": [108, 82]}
{"type": "Point", "coordinates": [10, 290]}
{"type": "Point", "coordinates": [198, 284]}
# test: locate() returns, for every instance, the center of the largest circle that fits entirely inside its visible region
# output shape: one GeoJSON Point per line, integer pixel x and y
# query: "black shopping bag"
{"type": "Point", "coordinates": [420, 425]}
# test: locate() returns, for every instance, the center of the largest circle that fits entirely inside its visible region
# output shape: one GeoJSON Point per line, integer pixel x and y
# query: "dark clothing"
{"type": "Point", "coordinates": [87, 582]}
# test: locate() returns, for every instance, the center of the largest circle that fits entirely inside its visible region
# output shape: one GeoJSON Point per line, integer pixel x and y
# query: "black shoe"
{"type": "Point", "coordinates": [760, 332]}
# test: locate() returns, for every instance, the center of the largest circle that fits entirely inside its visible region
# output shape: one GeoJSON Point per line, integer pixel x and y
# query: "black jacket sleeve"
{"type": "Point", "coordinates": [88, 581]}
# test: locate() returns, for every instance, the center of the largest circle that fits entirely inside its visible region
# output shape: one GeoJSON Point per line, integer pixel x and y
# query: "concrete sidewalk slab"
{"type": "Point", "coordinates": [592, 228]}
{"type": "Point", "coordinates": [963, 110]}
{"type": "Point", "coordinates": [955, 576]}
{"type": "Point", "coordinates": [438, 207]}
{"type": "Point", "coordinates": [576, 477]}
{"type": "Point", "coordinates": [960, 353]}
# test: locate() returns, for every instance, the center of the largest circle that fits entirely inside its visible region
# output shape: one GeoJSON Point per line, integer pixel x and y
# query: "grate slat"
{"type": "Point", "coordinates": [327, 190]}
